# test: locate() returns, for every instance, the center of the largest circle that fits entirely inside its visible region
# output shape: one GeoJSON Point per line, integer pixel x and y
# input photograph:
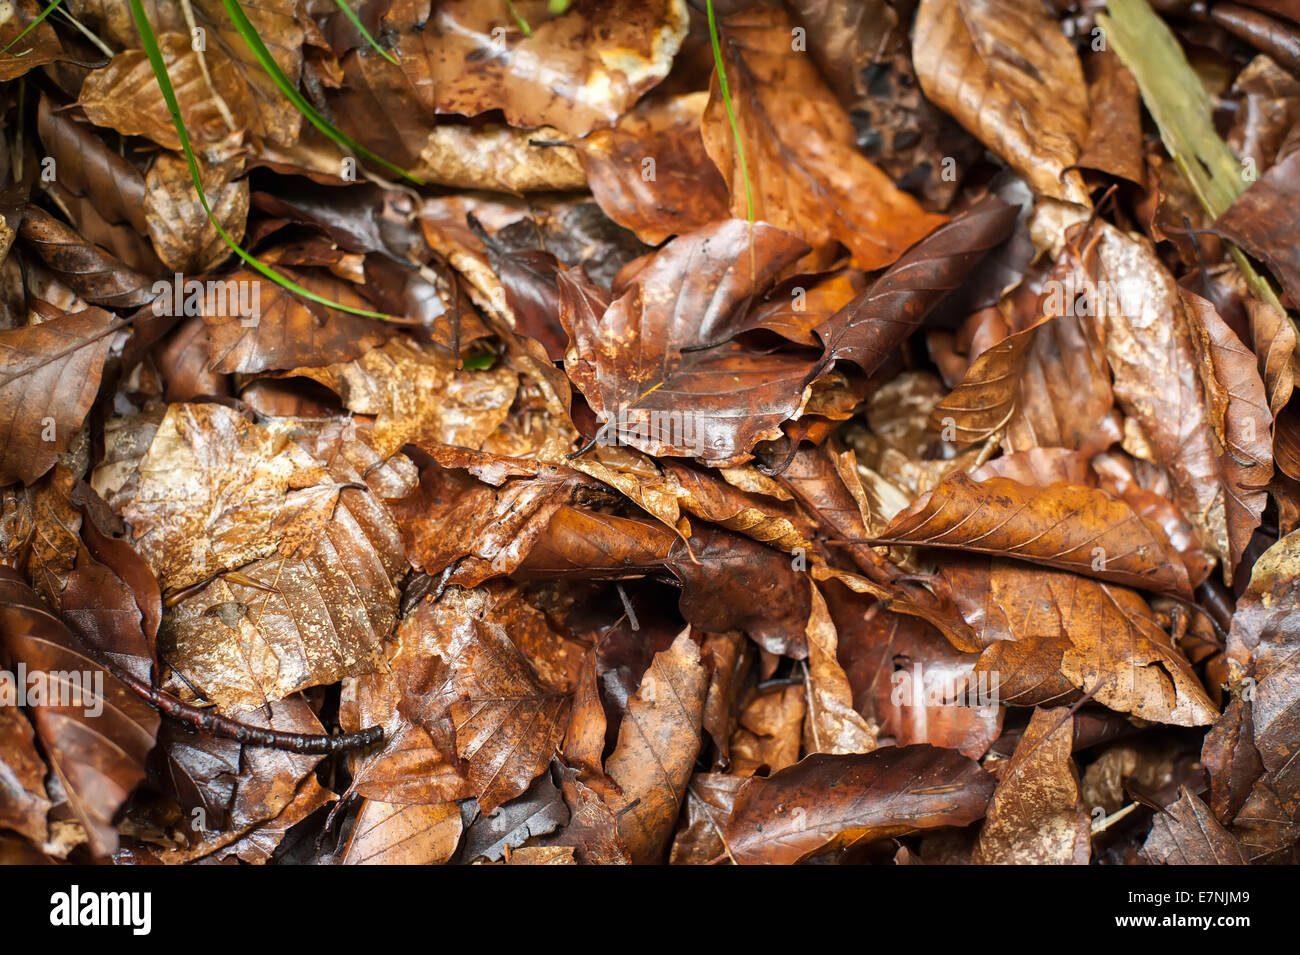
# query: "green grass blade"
{"type": "Point", "coordinates": [31, 26]}
{"type": "Point", "coordinates": [523, 24]}
{"type": "Point", "coordinates": [361, 28]}
{"type": "Point", "coordinates": [731, 113]}
{"type": "Point", "coordinates": [1177, 101]}
{"type": "Point", "coordinates": [150, 43]}
{"type": "Point", "coordinates": [290, 90]}
{"type": "Point", "coordinates": [479, 362]}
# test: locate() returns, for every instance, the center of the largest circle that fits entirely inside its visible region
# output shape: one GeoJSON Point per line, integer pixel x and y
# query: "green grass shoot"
{"type": "Point", "coordinates": [150, 43]}
{"type": "Point", "coordinates": [361, 28]}
{"type": "Point", "coordinates": [290, 90]}
{"type": "Point", "coordinates": [731, 112]}
{"type": "Point", "coordinates": [30, 27]}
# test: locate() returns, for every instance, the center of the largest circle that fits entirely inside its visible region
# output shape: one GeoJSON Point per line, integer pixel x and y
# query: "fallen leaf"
{"type": "Point", "coordinates": [1186, 833]}
{"type": "Point", "coordinates": [384, 834]}
{"type": "Point", "coordinates": [657, 746]}
{"type": "Point", "coordinates": [650, 172]}
{"type": "Point", "coordinates": [1036, 816]}
{"type": "Point", "coordinates": [833, 725]}
{"type": "Point", "coordinates": [1005, 71]}
{"type": "Point", "coordinates": [50, 374]}
{"type": "Point", "coordinates": [872, 325]}
{"type": "Point", "coordinates": [827, 802]}
{"type": "Point", "coordinates": [1049, 635]}
{"type": "Point", "coordinates": [642, 361]}
{"type": "Point", "coordinates": [96, 731]}
{"type": "Point", "coordinates": [796, 166]}
{"type": "Point", "coordinates": [418, 394]}
{"type": "Point", "coordinates": [1256, 222]}
{"type": "Point", "coordinates": [1068, 526]}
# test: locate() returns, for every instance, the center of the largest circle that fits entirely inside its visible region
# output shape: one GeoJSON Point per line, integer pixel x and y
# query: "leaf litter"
{"type": "Point", "coordinates": [686, 433]}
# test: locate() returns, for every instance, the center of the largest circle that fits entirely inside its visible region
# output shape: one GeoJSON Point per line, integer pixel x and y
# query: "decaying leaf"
{"type": "Point", "coordinates": [1007, 73]}
{"type": "Point", "coordinates": [1187, 833]}
{"type": "Point", "coordinates": [656, 748]}
{"type": "Point", "coordinates": [828, 802]}
{"type": "Point", "coordinates": [833, 725]}
{"type": "Point", "coordinates": [663, 345]}
{"type": "Point", "coordinates": [1062, 525]}
{"type": "Point", "coordinates": [795, 165]}
{"type": "Point", "coordinates": [1049, 635]}
{"type": "Point", "coordinates": [552, 432]}
{"type": "Point", "coordinates": [1036, 815]}
{"type": "Point", "coordinates": [96, 731]}
{"type": "Point", "coordinates": [50, 374]}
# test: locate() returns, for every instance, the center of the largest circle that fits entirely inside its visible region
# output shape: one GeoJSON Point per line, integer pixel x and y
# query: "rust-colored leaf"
{"type": "Point", "coordinates": [1062, 525]}
{"type": "Point", "coordinates": [657, 745]}
{"type": "Point", "coordinates": [50, 374]}
{"type": "Point", "coordinates": [798, 163]}
{"type": "Point", "coordinates": [827, 802]}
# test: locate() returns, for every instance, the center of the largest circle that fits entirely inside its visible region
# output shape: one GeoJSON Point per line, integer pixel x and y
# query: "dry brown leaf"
{"type": "Point", "coordinates": [499, 158]}
{"type": "Point", "coordinates": [508, 724]}
{"type": "Point", "coordinates": [708, 806]}
{"type": "Point", "coordinates": [1036, 816]}
{"type": "Point", "coordinates": [1068, 526]}
{"type": "Point", "coordinates": [23, 798]}
{"type": "Point", "coordinates": [50, 374]}
{"type": "Point", "coordinates": [832, 725]}
{"type": "Point", "coordinates": [1180, 411]}
{"type": "Point", "coordinates": [650, 173]}
{"type": "Point", "coordinates": [1005, 71]}
{"type": "Point", "coordinates": [804, 173]}
{"type": "Point", "coordinates": [1187, 833]}
{"type": "Point", "coordinates": [384, 834]}
{"type": "Point", "coordinates": [183, 236]}
{"type": "Point", "coordinates": [418, 394]}
{"type": "Point", "coordinates": [287, 331]}
{"type": "Point", "coordinates": [657, 745]}
{"type": "Point", "coordinates": [1051, 635]}
{"type": "Point", "coordinates": [125, 94]}
{"type": "Point", "coordinates": [576, 71]}
{"type": "Point", "coordinates": [827, 802]}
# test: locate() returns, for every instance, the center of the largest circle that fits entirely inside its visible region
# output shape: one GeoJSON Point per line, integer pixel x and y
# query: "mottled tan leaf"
{"type": "Point", "coordinates": [657, 745]}
{"type": "Point", "coordinates": [1036, 816]}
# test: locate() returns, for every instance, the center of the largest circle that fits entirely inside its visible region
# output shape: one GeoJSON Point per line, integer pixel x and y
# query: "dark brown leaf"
{"type": "Point", "coordinates": [642, 364]}
{"type": "Point", "coordinates": [1187, 833]}
{"type": "Point", "coordinates": [96, 731]}
{"type": "Point", "coordinates": [870, 327]}
{"type": "Point", "coordinates": [825, 802]}
{"type": "Point", "coordinates": [50, 376]}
